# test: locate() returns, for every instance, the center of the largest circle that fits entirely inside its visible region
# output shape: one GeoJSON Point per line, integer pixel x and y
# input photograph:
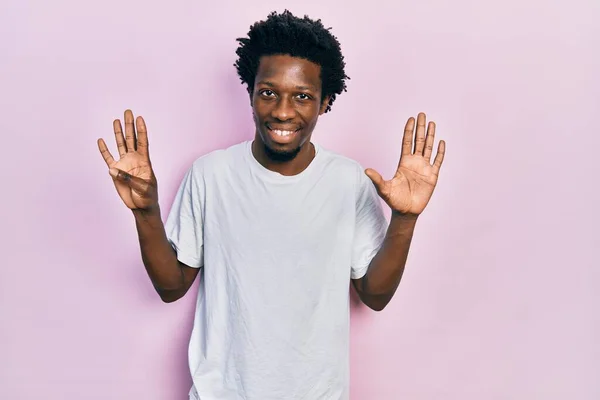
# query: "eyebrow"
{"type": "Point", "coordinates": [271, 84]}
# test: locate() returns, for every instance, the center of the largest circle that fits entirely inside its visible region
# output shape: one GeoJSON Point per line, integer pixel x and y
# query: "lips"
{"type": "Point", "coordinates": [282, 134]}
{"type": "Point", "coordinates": [289, 128]}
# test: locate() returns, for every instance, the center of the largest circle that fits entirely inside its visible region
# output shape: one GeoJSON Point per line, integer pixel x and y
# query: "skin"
{"type": "Point", "coordinates": [287, 96]}
{"type": "Point", "coordinates": [136, 184]}
{"type": "Point", "coordinates": [407, 193]}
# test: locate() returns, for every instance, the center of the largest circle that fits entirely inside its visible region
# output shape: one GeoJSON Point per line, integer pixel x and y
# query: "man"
{"type": "Point", "coordinates": [278, 226]}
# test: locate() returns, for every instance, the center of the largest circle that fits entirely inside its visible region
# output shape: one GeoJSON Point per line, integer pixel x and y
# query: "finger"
{"type": "Point", "coordinates": [439, 157]}
{"type": "Point", "coordinates": [105, 153]}
{"type": "Point", "coordinates": [420, 136]}
{"type": "Point", "coordinates": [119, 137]}
{"type": "Point", "coordinates": [375, 178]}
{"type": "Point", "coordinates": [129, 131]}
{"type": "Point", "coordinates": [429, 141]}
{"type": "Point", "coordinates": [142, 137]}
{"type": "Point", "coordinates": [139, 185]}
{"type": "Point", "coordinates": [407, 139]}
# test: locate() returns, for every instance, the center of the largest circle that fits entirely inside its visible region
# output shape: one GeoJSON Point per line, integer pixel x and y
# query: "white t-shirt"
{"type": "Point", "coordinates": [277, 254]}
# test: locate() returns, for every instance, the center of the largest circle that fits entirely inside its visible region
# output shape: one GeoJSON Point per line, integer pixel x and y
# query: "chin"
{"type": "Point", "coordinates": [278, 153]}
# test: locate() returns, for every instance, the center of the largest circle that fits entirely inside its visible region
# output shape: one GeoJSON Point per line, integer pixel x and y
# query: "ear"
{"type": "Point", "coordinates": [324, 105]}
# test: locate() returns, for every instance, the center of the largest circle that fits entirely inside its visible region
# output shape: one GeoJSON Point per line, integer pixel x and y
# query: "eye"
{"type": "Point", "coordinates": [267, 93]}
{"type": "Point", "coordinates": [304, 96]}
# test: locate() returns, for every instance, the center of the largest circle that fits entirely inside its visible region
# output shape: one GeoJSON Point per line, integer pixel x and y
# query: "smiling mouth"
{"type": "Point", "coordinates": [283, 132]}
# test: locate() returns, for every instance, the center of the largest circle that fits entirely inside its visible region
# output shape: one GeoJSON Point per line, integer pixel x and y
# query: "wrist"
{"type": "Point", "coordinates": [402, 225]}
{"type": "Point", "coordinates": [396, 215]}
{"type": "Point", "coordinates": [145, 214]}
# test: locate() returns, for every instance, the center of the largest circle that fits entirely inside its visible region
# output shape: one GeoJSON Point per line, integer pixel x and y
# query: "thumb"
{"type": "Point", "coordinates": [375, 178]}
{"type": "Point", "coordinates": [137, 184]}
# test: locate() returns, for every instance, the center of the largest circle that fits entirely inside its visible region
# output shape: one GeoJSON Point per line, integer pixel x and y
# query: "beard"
{"type": "Point", "coordinates": [279, 155]}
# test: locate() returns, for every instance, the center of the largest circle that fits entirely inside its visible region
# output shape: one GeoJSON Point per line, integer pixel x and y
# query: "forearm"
{"type": "Point", "coordinates": [159, 257]}
{"type": "Point", "coordinates": [385, 271]}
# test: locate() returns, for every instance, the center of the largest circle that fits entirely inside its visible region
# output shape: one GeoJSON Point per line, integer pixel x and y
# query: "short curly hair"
{"type": "Point", "coordinates": [286, 34]}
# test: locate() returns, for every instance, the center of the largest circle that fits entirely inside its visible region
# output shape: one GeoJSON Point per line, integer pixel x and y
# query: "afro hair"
{"type": "Point", "coordinates": [286, 34]}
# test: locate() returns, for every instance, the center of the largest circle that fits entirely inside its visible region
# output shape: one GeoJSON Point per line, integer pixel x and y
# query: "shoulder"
{"type": "Point", "coordinates": [351, 175]}
{"type": "Point", "coordinates": [345, 168]}
{"type": "Point", "coordinates": [219, 160]}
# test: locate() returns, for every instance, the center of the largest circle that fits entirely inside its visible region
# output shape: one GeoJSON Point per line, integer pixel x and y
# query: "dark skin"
{"type": "Point", "coordinates": [286, 96]}
{"type": "Point", "coordinates": [286, 102]}
{"type": "Point", "coordinates": [136, 184]}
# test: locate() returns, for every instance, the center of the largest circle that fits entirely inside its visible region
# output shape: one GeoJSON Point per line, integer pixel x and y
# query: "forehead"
{"type": "Point", "coordinates": [287, 70]}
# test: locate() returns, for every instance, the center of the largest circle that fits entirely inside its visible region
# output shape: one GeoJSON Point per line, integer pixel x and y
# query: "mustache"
{"type": "Point", "coordinates": [283, 127]}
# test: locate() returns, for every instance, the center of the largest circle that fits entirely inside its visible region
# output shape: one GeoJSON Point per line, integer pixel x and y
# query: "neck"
{"type": "Point", "coordinates": [287, 167]}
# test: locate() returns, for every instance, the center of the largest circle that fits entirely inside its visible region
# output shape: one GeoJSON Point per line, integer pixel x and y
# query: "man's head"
{"type": "Point", "coordinates": [293, 68]}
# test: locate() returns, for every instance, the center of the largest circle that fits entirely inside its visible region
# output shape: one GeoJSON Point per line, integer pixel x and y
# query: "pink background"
{"type": "Point", "coordinates": [500, 297]}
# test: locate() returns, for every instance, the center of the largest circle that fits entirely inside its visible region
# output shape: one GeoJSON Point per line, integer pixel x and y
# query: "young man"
{"type": "Point", "coordinates": [278, 226]}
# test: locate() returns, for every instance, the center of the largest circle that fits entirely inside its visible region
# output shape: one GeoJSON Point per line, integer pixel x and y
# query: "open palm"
{"type": "Point", "coordinates": [409, 191]}
{"type": "Point", "coordinates": [134, 160]}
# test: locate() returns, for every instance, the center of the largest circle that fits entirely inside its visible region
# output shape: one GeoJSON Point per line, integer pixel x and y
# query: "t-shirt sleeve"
{"type": "Point", "coordinates": [370, 226]}
{"type": "Point", "coordinates": [184, 227]}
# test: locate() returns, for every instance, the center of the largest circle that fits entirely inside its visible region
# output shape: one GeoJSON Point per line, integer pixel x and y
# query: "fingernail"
{"type": "Point", "coordinates": [113, 172]}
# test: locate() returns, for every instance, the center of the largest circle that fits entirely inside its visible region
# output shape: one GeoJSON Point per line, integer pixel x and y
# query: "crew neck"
{"type": "Point", "coordinates": [276, 176]}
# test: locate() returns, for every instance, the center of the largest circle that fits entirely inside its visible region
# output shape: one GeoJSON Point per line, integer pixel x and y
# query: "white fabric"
{"type": "Point", "coordinates": [277, 252]}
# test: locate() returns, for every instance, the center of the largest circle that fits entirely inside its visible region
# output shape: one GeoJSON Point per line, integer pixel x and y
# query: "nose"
{"type": "Point", "coordinates": [283, 110]}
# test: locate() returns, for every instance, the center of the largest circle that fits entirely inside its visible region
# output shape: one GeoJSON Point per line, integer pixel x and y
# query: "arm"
{"type": "Point", "coordinates": [407, 194]}
{"type": "Point", "coordinates": [377, 287]}
{"type": "Point", "coordinates": [171, 278]}
{"type": "Point", "coordinates": [136, 184]}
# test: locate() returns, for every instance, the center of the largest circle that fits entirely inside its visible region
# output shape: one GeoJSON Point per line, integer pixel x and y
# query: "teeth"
{"type": "Point", "coordinates": [282, 133]}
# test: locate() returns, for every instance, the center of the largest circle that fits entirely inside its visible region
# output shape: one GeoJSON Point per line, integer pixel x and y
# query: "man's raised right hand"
{"type": "Point", "coordinates": [132, 174]}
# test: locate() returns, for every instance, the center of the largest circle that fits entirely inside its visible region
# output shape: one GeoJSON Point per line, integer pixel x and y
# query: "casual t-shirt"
{"type": "Point", "coordinates": [277, 254]}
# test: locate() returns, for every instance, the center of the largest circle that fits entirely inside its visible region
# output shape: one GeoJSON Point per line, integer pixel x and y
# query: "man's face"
{"type": "Point", "coordinates": [286, 103]}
